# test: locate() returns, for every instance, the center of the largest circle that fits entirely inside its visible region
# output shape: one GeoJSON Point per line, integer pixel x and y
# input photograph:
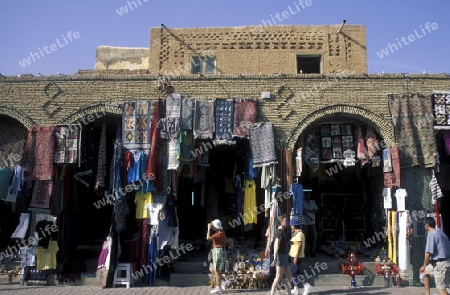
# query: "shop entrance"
{"type": "Point", "coordinates": [342, 170]}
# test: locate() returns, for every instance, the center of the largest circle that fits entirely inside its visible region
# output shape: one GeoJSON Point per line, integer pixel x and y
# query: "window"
{"type": "Point", "coordinates": [203, 64]}
{"type": "Point", "coordinates": [309, 64]}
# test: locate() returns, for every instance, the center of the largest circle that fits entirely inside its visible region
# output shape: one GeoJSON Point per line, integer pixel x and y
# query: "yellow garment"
{"type": "Point", "coordinates": [389, 233]}
{"type": "Point", "coordinates": [141, 201]}
{"type": "Point", "coordinates": [250, 209]}
{"type": "Point", "coordinates": [394, 237]}
{"type": "Point", "coordinates": [46, 258]}
{"type": "Point", "coordinates": [298, 238]}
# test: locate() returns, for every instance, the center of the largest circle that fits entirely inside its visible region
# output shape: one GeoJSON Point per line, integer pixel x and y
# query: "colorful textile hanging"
{"type": "Point", "coordinates": [136, 118]}
{"type": "Point", "coordinates": [154, 162]}
{"type": "Point", "coordinates": [39, 153]}
{"type": "Point", "coordinates": [245, 113]}
{"type": "Point", "coordinates": [42, 194]}
{"type": "Point", "coordinates": [262, 144]}
{"type": "Point", "coordinates": [392, 179]}
{"type": "Point", "coordinates": [204, 119]}
{"type": "Point", "coordinates": [66, 144]}
{"type": "Point", "coordinates": [224, 118]}
{"type": "Point", "coordinates": [173, 105]}
{"type": "Point", "coordinates": [187, 113]}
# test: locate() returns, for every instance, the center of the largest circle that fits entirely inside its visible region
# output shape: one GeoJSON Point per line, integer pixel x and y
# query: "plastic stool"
{"type": "Point", "coordinates": [123, 280]}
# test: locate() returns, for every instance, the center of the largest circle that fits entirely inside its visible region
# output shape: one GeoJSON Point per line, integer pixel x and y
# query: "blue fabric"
{"type": "Point", "coordinates": [250, 172]}
{"type": "Point", "coordinates": [296, 191]}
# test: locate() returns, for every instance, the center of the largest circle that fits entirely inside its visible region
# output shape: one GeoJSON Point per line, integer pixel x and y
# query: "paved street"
{"type": "Point", "coordinates": [89, 290]}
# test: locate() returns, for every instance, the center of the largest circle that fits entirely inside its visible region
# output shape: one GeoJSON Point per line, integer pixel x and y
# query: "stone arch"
{"type": "Point", "coordinates": [382, 125]}
{"type": "Point", "coordinates": [18, 115]}
{"type": "Point", "coordinates": [97, 110]}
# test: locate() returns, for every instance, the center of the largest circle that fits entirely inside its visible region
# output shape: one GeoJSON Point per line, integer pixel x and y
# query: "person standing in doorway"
{"type": "Point", "coordinates": [436, 262]}
{"type": "Point", "coordinates": [310, 208]}
{"type": "Point", "coordinates": [216, 234]}
{"type": "Point", "coordinates": [297, 253]}
{"type": "Point", "coordinates": [280, 256]}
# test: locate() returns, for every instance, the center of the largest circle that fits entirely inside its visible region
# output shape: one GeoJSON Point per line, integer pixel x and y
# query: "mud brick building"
{"type": "Point", "coordinates": [307, 81]}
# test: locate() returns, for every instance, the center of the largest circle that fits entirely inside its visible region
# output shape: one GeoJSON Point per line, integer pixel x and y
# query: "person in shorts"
{"type": "Point", "coordinates": [281, 256]}
{"type": "Point", "coordinates": [217, 235]}
{"type": "Point", "coordinates": [297, 253]}
{"type": "Point", "coordinates": [436, 262]}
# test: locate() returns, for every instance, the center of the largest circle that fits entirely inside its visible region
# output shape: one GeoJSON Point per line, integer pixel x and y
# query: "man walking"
{"type": "Point", "coordinates": [437, 258]}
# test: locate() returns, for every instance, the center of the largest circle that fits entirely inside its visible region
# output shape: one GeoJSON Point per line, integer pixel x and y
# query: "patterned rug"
{"type": "Point", "coordinates": [224, 119]}
{"type": "Point", "coordinates": [187, 114]}
{"type": "Point", "coordinates": [414, 132]}
{"type": "Point", "coordinates": [173, 105]}
{"type": "Point", "coordinates": [42, 193]}
{"type": "Point", "coordinates": [66, 144]}
{"type": "Point", "coordinates": [245, 113]}
{"type": "Point", "coordinates": [262, 144]}
{"type": "Point", "coordinates": [204, 119]}
{"type": "Point", "coordinates": [136, 119]}
{"type": "Point", "coordinates": [39, 153]}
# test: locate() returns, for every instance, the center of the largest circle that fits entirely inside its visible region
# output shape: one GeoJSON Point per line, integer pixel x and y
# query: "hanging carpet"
{"type": "Point", "coordinates": [262, 144]}
{"type": "Point", "coordinates": [173, 105]}
{"type": "Point", "coordinates": [245, 113]}
{"type": "Point", "coordinates": [42, 192]}
{"type": "Point", "coordinates": [187, 113]}
{"type": "Point", "coordinates": [66, 144]}
{"type": "Point", "coordinates": [136, 119]}
{"type": "Point", "coordinates": [414, 133]}
{"type": "Point", "coordinates": [224, 119]}
{"type": "Point", "coordinates": [204, 119]}
{"type": "Point", "coordinates": [39, 152]}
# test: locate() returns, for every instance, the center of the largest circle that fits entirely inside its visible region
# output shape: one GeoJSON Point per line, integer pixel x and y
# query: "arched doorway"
{"type": "Point", "coordinates": [348, 193]}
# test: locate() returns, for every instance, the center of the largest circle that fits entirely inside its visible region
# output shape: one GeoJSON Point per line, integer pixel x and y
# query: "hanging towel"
{"type": "Point", "coordinates": [436, 192]}
{"type": "Point", "coordinates": [392, 179]}
{"type": "Point", "coordinates": [204, 119]}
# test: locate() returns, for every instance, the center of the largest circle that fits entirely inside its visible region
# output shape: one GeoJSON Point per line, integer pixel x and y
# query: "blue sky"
{"type": "Point", "coordinates": [27, 26]}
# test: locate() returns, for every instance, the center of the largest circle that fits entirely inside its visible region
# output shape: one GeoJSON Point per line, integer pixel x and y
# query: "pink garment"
{"type": "Point", "coordinates": [361, 149]}
{"type": "Point", "coordinates": [447, 142]}
{"type": "Point", "coordinates": [372, 143]}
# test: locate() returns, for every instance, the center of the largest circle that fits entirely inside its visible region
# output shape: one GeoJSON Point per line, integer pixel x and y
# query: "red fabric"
{"type": "Point", "coordinates": [154, 161]}
{"type": "Point", "coordinates": [42, 194]}
{"type": "Point", "coordinates": [245, 113]}
{"type": "Point", "coordinates": [39, 151]}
